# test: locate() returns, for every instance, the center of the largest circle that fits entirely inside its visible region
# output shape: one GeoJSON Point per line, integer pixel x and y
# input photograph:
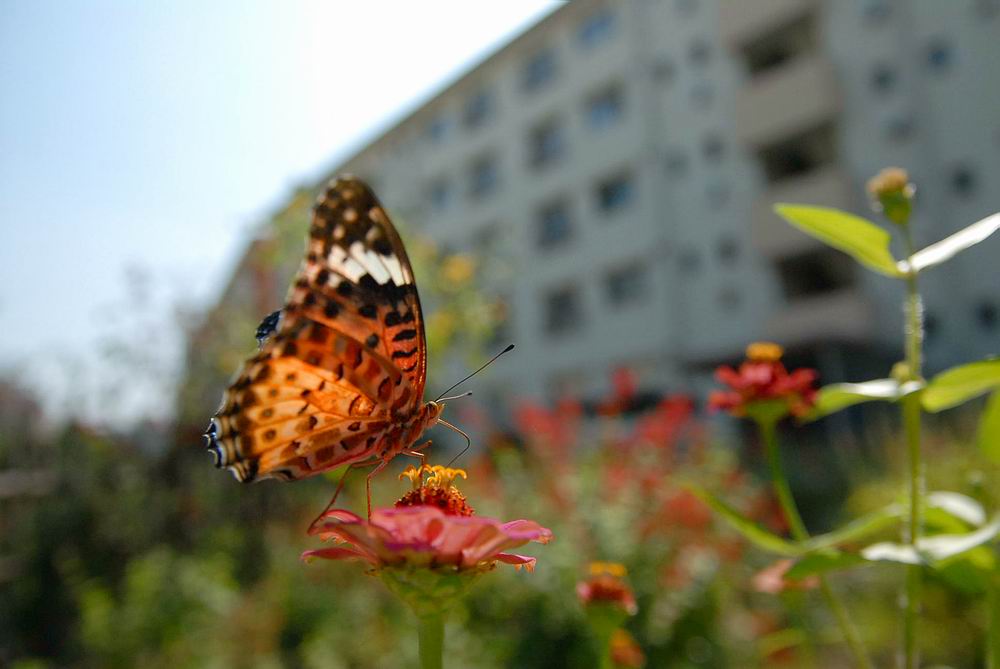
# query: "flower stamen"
{"type": "Point", "coordinates": [437, 491]}
{"type": "Point", "coordinates": [764, 351]}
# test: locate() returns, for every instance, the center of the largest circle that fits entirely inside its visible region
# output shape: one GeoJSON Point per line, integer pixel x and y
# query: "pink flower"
{"type": "Point", "coordinates": [763, 378]}
{"type": "Point", "coordinates": [424, 530]}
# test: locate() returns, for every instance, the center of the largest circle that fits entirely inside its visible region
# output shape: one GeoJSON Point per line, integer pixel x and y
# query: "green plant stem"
{"type": "Point", "coordinates": [993, 632]}
{"type": "Point", "coordinates": [430, 630]}
{"type": "Point", "coordinates": [799, 532]}
{"type": "Point", "coordinates": [911, 427]}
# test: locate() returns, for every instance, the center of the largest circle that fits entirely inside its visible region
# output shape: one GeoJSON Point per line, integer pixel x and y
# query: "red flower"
{"type": "Point", "coordinates": [432, 526]}
{"type": "Point", "coordinates": [625, 651]}
{"type": "Point", "coordinates": [606, 585]}
{"type": "Point", "coordinates": [764, 379]}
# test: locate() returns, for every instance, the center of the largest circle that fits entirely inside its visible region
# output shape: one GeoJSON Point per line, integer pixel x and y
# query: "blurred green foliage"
{"type": "Point", "coordinates": [124, 550]}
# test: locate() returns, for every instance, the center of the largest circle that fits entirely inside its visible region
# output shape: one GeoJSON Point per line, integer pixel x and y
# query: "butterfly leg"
{"type": "Point", "coordinates": [336, 493]}
{"type": "Point", "coordinates": [368, 484]}
{"type": "Point", "coordinates": [417, 452]}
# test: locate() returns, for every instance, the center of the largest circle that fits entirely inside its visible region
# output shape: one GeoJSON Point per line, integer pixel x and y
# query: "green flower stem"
{"type": "Point", "coordinates": [993, 633]}
{"type": "Point", "coordinates": [430, 630]}
{"type": "Point", "coordinates": [799, 532]}
{"type": "Point", "coordinates": [911, 426]}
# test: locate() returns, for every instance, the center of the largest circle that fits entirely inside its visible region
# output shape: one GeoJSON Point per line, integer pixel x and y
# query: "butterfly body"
{"type": "Point", "coordinates": [340, 374]}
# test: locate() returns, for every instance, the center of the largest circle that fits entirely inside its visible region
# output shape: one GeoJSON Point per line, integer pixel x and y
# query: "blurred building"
{"type": "Point", "coordinates": [618, 162]}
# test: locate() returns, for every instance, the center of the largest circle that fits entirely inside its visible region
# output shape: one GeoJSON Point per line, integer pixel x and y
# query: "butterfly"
{"type": "Point", "coordinates": [339, 377]}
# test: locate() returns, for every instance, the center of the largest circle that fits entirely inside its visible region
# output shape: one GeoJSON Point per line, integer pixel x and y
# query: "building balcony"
{"type": "Point", "coordinates": [771, 235]}
{"type": "Point", "coordinates": [844, 316]}
{"type": "Point", "coordinates": [741, 22]}
{"type": "Point", "coordinates": [786, 101]}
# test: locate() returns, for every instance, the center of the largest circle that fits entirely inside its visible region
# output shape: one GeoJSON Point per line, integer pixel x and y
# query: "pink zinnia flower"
{"type": "Point", "coordinates": [763, 378]}
{"type": "Point", "coordinates": [431, 527]}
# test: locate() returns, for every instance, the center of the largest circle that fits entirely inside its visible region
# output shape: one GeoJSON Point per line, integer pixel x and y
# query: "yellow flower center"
{"type": "Point", "coordinates": [438, 490]}
{"type": "Point", "coordinates": [764, 351]}
{"type": "Point", "coordinates": [608, 568]}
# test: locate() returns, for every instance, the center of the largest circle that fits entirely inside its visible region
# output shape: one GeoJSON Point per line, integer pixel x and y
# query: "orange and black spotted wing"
{"type": "Point", "coordinates": [342, 364]}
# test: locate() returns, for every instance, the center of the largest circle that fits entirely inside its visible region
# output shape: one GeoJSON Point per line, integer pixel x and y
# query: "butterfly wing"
{"type": "Point", "coordinates": [347, 362]}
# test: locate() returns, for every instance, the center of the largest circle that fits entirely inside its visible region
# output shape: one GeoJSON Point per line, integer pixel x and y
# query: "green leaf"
{"type": "Point", "coordinates": [960, 384]}
{"type": "Point", "coordinates": [822, 562]}
{"type": "Point", "coordinates": [933, 549]}
{"type": "Point", "coordinates": [837, 396]}
{"type": "Point", "coordinates": [969, 573]}
{"type": "Point", "coordinates": [891, 552]}
{"type": "Point", "coordinates": [988, 436]}
{"type": "Point", "coordinates": [861, 239]}
{"type": "Point", "coordinates": [745, 526]}
{"type": "Point", "coordinates": [957, 505]}
{"type": "Point", "coordinates": [937, 253]}
{"type": "Point", "coordinates": [858, 528]}
{"type": "Point", "coordinates": [944, 546]}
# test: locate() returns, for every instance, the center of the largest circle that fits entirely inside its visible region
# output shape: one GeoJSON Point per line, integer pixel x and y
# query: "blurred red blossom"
{"type": "Point", "coordinates": [625, 651]}
{"type": "Point", "coordinates": [762, 378]}
{"type": "Point", "coordinates": [606, 585]}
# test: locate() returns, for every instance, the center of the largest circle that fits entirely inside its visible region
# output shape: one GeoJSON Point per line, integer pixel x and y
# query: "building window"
{"type": "Point", "coordinates": [781, 46]}
{"type": "Point", "coordinates": [546, 144]}
{"type": "Point", "coordinates": [555, 226]}
{"type": "Point", "coordinates": [728, 250]}
{"type": "Point", "coordinates": [686, 7]}
{"type": "Point", "coordinates": [900, 128]}
{"type": "Point", "coordinates": [815, 273]}
{"type": "Point", "coordinates": [478, 109]}
{"type": "Point", "coordinates": [539, 71]}
{"type": "Point", "coordinates": [932, 326]}
{"type": "Point", "coordinates": [483, 177]}
{"type": "Point", "coordinates": [503, 327]}
{"type": "Point", "coordinates": [987, 9]}
{"type": "Point", "coordinates": [986, 315]}
{"type": "Point", "coordinates": [700, 52]}
{"type": "Point", "coordinates": [877, 11]}
{"type": "Point", "coordinates": [439, 194]}
{"type": "Point", "coordinates": [714, 148]}
{"type": "Point", "coordinates": [729, 298]}
{"type": "Point", "coordinates": [883, 78]}
{"type": "Point", "coordinates": [689, 261]}
{"type": "Point", "coordinates": [939, 54]}
{"type": "Point", "coordinates": [615, 193]}
{"type": "Point", "coordinates": [626, 285]}
{"type": "Point", "coordinates": [605, 109]}
{"type": "Point", "coordinates": [962, 180]}
{"type": "Point", "coordinates": [597, 28]}
{"type": "Point", "coordinates": [563, 311]}
{"type": "Point", "coordinates": [437, 128]}
{"type": "Point", "coordinates": [800, 154]}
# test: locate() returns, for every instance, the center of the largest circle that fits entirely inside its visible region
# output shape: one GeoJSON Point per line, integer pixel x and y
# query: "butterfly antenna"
{"type": "Point", "coordinates": [453, 397]}
{"type": "Point", "coordinates": [468, 441]}
{"type": "Point", "coordinates": [509, 348]}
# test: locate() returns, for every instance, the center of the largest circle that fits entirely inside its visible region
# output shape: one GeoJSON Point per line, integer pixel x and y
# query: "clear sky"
{"type": "Point", "coordinates": [140, 141]}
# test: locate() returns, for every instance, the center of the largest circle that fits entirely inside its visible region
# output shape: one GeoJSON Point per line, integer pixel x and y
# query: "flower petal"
{"type": "Point", "coordinates": [519, 561]}
{"type": "Point", "coordinates": [338, 554]}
